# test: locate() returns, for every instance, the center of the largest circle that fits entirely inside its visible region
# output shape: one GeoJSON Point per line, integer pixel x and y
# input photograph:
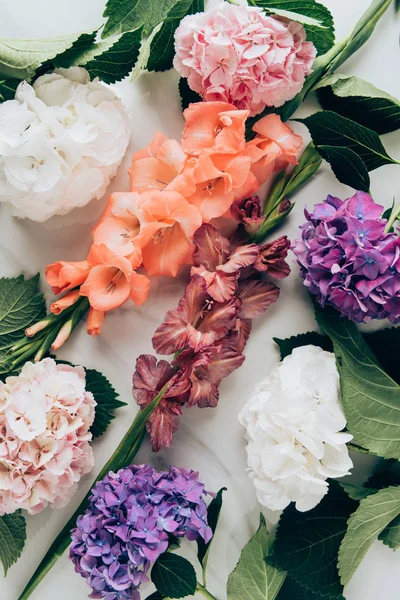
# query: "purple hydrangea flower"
{"type": "Point", "coordinates": [127, 525]}
{"type": "Point", "coordinates": [348, 261]}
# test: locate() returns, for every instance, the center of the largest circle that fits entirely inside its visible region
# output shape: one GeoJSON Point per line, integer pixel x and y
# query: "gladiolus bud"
{"type": "Point", "coordinates": [95, 321]}
{"type": "Point", "coordinates": [65, 302]}
{"type": "Point", "coordinates": [34, 329]}
{"type": "Point", "coordinates": [63, 335]}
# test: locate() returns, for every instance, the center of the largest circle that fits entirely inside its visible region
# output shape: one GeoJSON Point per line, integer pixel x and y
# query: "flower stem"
{"type": "Point", "coordinates": [204, 592]}
{"type": "Point", "coordinates": [123, 456]}
{"type": "Point", "coordinates": [395, 214]}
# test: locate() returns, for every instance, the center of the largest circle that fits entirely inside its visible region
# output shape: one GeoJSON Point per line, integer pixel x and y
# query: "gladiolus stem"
{"type": "Point", "coordinates": [395, 214]}
{"type": "Point", "coordinates": [204, 592]}
{"type": "Point", "coordinates": [122, 457]}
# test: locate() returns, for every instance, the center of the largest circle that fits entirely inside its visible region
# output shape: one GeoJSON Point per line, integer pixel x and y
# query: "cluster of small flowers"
{"type": "Point", "coordinates": [239, 55]}
{"type": "Point", "coordinates": [175, 188]}
{"type": "Point", "coordinates": [294, 422]}
{"type": "Point", "coordinates": [210, 327]}
{"type": "Point", "coordinates": [61, 141]}
{"type": "Point", "coordinates": [45, 417]}
{"type": "Point", "coordinates": [349, 261]}
{"type": "Point", "coordinates": [127, 525]}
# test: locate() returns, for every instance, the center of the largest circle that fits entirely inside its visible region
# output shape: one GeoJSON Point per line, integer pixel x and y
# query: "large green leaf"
{"type": "Point", "coordinates": [21, 305]}
{"type": "Point", "coordinates": [106, 398]}
{"type": "Point", "coordinates": [128, 15]}
{"type": "Point", "coordinates": [330, 129]}
{"type": "Point", "coordinates": [174, 576]}
{"type": "Point", "coordinates": [12, 539]}
{"type": "Point", "coordinates": [111, 59]}
{"type": "Point", "coordinates": [213, 513]}
{"type": "Point", "coordinates": [361, 101]}
{"type": "Point", "coordinates": [187, 95]}
{"type": "Point", "coordinates": [162, 49]}
{"type": "Point", "coordinates": [253, 578]}
{"type": "Point", "coordinates": [347, 166]}
{"type": "Point", "coordinates": [370, 398]}
{"type": "Point", "coordinates": [316, 18]}
{"type": "Point", "coordinates": [291, 590]}
{"type": "Point", "coordinates": [20, 58]}
{"type": "Point", "coordinates": [307, 544]}
{"type": "Point", "coordinates": [371, 517]}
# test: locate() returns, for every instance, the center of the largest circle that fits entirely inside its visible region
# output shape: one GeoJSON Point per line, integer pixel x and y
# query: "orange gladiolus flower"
{"type": "Point", "coordinates": [112, 280]}
{"type": "Point", "coordinates": [62, 276]}
{"type": "Point", "coordinates": [172, 222]}
{"type": "Point", "coordinates": [214, 128]}
{"type": "Point", "coordinates": [274, 147]}
{"type": "Point", "coordinates": [65, 302]}
{"type": "Point", "coordinates": [160, 166]}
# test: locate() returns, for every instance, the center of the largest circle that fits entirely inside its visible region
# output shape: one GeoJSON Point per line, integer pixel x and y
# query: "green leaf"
{"type": "Point", "coordinates": [8, 88]}
{"type": "Point", "coordinates": [390, 536]}
{"type": "Point", "coordinates": [128, 15]}
{"type": "Point", "coordinates": [162, 49]}
{"type": "Point", "coordinates": [187, 95]}
{"type": "Point", "coordinates": [385, 344]}
{"type": "Point", "coordinates": [287, 346]}
{"type": "Point", "coordinates": [20, 58]}
{"type": "Point", "coordinates": [316, 18]}
{"type": "Point", "coordinates": [330, 129]}
{"type": "Point", "coordinates": [253, 578]}
{"type": "Point", "coordinates": [21, 305]}
{"type": "Point", "coordinates": [307, 544]}
{"type": "Point", "coordinates": [12, 539]}
{"type": "Point", "coordinates": [174, 576]}
{"type": "Point", "coordinates": [347, 166]}
{"type": "Point", "coordinates": [213, 513]}
{"type": "Point", "coordinates": [155, 596]}
{"type": "Point", "coordinates": [106, 398]}
{"type": "Point", "coordinates": [111, 60]}
{"type": "Point", "coordinates": [356, 492]}
{"type": "Point", "coordinates": [291, 590]}
{"type": "Point", "coordinates": [369, 520]}
{"type": "Point", "coordinates": [370, 398]}
{"type": "Point", "coordinates": [360, 101]}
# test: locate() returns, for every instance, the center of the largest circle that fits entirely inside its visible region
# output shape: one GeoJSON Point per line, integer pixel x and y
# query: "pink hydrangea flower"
{"type": "Point", "coordinates": [45, 419]}
{"type": "Point", "coordinates": [239, 55]}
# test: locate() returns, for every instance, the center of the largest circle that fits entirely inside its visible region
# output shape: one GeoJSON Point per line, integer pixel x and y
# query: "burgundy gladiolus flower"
{"type": "Point", "coordinates": [249, 213]}
{"type": "Point", "coordinates": [349, 261]}
{"type": "Point", "coordinates": [127, 525]}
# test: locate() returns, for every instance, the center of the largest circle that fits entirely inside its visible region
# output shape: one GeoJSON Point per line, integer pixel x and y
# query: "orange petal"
{"type": "Point", "coordinates": [150, 174]}
{"type": "Point", "coordinates": [121, 236]}
{"type": "Point", "coordinates": [106, 288]}
{"type": "Point", "coordinates": [271, 127]}
{"type": "Point", "coordinates": [165, 255]}
{"type": "Point", "coordinates": [140, 285]}
{"type": "Point", "coordinates": [62, 275]}
{"type": "Point", "coordinates": [65, 302]}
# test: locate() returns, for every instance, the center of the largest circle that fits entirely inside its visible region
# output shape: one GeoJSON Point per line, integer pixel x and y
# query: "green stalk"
{"type": "Point", "coordinates": [395, 214]}
{"type": "Point", "coordinates": [204, 592]}
{"type": "Point", "coordinates": [123, 456]}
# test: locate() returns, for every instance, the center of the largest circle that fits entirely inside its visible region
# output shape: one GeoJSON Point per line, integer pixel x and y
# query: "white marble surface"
{"type": "Point", "coordinates": [208, 440]}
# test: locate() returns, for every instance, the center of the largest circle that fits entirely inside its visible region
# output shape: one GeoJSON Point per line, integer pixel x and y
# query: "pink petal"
{"type": "Point", "coordinates": [212, 248]}
{"type": "Point", "coordinates": [256, 296]}
{"type": "Point", "coordinates": [242, 257]}
{"type": "Point", "coordinates": [161, 425]}
{"type": "Point", "coordinates": [149, 377]}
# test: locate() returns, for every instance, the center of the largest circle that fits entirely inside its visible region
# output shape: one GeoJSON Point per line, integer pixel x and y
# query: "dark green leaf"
{"type": "Point", "coordinates": [111, 60]}
{"type": "Point", "coordinates": [356, 492]}
{"type": "Point", "coordinates": [162, 50]}
{"type": "Point", "coordinates": [253, 578]}
{"type": "Point", "coordinates": [174, 576]}
{"type": "Point", "coordinates": [213, 513]}
{"type": "Point", "coordinates": [316, 18]}
{"type": "Point", "coordinates": [8, 88]}
{"type": "Point", "coordinates": [287, 346]}
{"type": "Point", "coordinates": [385, 344]}
{"type": "Point", "coordinates": [372, 516]}
{"type": "Point", "coordinates": [106, 398]}
{"type": "Point", "coordinates": [187, 95]}
{"type": "Point", "coordinates": [155, 596]}
{"type": "Point", "coordinates": [360, 101]}
{"type": "Point", "coordinates": [20, 58]}
{"type": "Point", "coordinates": [390, 536]}
{"type": "Point", "coordinates": [370, 398]}
{"type": "Point", "coordinates": [347, 166]}
{"type": "Point", "coordinates": [12, 539]}
{"type": "Point", "coordinates": [291, 590]}
{"type": "Point", "coordinates": [21, 305]}
{"type": "Point", "coordinates": [128, 15]}
{"type": "Point", "coordinates": [330, 129]}
{"type": "Point", "coordinates": [307, 544]}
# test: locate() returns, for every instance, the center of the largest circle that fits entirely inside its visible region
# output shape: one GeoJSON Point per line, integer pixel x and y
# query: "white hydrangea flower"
{"type": "Point", "coordinates": [61, 142]}
{"type": "Point", "coordinates": [294, 422]}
